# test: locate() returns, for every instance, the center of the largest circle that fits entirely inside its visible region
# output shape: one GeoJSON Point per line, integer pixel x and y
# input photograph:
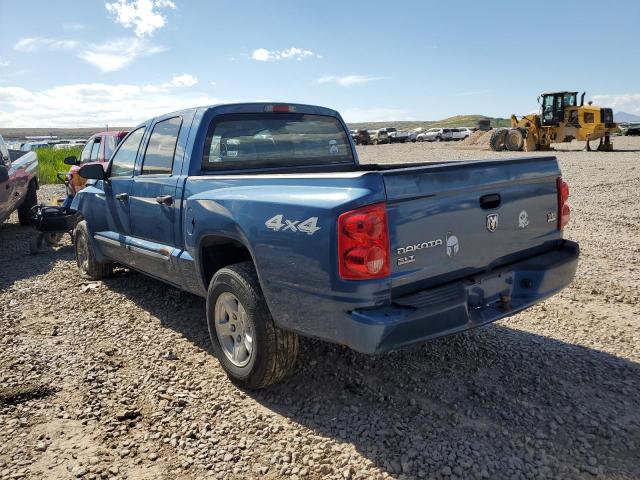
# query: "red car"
{"type": "Point", "coordinates": [97, 149]}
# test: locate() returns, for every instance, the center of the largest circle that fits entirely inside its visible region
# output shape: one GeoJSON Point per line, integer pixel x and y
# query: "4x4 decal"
{"type": "Point", "coordinates": [279, 224]}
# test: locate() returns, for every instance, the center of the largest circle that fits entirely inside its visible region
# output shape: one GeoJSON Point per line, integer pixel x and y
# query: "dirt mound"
{"type": "Point", "coordinates": [479, 138]}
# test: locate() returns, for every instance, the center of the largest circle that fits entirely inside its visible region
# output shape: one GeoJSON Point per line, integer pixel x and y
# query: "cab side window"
{"type": "Point", "coordinates": [158, 158]}
{"type": "Point", "coordinates": [86, 152]}
{"type": "Point", "coordinates": [125, 157]}
{"type": "Point", "coordinates": [95, 150]}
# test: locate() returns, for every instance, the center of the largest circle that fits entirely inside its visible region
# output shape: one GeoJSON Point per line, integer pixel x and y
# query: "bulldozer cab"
{"type": "Point", "coordinates": [554, 104]}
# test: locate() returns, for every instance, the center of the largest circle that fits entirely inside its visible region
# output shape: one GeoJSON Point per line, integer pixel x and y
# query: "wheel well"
{"type": "Point", "coordinates": [220, 252]}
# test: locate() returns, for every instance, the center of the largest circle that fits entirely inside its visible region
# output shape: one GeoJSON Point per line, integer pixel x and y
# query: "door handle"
{"type": "Point", "coordinates": [490, 201]}
{"type": "Point", "coordinates": [123, 196]}
{"type": "Point", "coordinates": [165, 200]}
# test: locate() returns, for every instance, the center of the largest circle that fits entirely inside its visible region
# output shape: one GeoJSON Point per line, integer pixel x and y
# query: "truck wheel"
{"type": "Point", "coordinates": [514, 140]}
{"type": "Point", "coordinates": [30, 201]}
{"type": "Point", "coordinates": [496, 142]}
{"type": "Point", "coordinates": [252, 350]}
{"type": "Point", "coordinates": [85, 258]}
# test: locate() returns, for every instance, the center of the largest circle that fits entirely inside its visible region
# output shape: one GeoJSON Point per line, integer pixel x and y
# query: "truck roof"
{"type": "Point", "coordinates": [257, 107]}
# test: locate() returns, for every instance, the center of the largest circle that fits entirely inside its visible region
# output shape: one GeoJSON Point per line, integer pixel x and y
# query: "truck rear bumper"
{"type": "Point", "coordinates": [462, 305]}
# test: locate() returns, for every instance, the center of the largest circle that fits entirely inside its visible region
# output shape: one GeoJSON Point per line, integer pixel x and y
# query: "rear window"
{"type": "Point", "coordinates": [273, 140]}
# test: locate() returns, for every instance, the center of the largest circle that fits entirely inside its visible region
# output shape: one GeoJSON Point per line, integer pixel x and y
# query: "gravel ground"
{"type": "Point", "coordinates": [115, 378]}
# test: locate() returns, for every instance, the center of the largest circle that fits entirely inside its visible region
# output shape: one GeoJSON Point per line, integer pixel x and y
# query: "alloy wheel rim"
{"type": "Point", "coordinates": [233, 329]}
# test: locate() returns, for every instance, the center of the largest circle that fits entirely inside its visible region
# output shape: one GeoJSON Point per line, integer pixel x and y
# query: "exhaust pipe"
{"type": "Point", "coordinates": [582, 98]}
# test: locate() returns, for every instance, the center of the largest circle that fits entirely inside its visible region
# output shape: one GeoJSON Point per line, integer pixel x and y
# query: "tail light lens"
{"type": "Point", "coordinates": [363, 243]}
{"type": "Point", "coordinates": [564, 212]}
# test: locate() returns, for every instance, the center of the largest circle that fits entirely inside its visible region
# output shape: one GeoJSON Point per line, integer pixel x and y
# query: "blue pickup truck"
{"type": "Point", "coordinates": [264, 210]}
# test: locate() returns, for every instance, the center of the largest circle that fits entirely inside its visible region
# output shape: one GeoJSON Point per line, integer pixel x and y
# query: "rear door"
{"type": "Point", "coordinates": [453, 220]}
{"type": "Point", "coordinates": [155, 205]}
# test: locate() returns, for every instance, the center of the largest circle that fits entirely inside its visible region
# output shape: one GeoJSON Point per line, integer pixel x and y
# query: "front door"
{"type": "Point", "coordinates": [114, 238]}
{"type": "Point", "coordinates": [154, 203]}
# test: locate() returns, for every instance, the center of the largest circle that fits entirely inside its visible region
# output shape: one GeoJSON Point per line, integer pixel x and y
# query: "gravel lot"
{"type": "Point", "coordinates": [115, 378]}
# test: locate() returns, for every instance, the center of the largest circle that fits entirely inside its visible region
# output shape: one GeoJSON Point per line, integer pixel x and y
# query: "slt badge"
{"type": "Point", "coordinates": [492, 222]}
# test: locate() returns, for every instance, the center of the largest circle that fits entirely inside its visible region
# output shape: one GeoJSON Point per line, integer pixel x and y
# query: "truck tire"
{"type": "Point", "coordinates": [88, 266]}
{"type": "Point", "coordinates": [496, 142]}
{"type": "Point", "coordinates": [30, 201]}
{"type": "Point", "coordinates": [514, 140]}
{"type": "Point", "coordinates": [252, 350]}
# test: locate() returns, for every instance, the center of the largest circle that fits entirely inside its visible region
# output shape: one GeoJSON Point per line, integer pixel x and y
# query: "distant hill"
{"type": "Point", "coordinates": [625, 117]}
{"type": "Point", "coordinates": [62, 133]}
{"type": "Point", "coordinates": [451, 122]}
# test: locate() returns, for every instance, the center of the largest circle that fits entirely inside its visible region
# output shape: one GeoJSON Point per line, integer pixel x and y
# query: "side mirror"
{"type": "Point", "coordinates": [71, 160]}
{"type": "Point", "coordinates": [92, 171]}
{"type": "Point", "coordinates": [4, 174]}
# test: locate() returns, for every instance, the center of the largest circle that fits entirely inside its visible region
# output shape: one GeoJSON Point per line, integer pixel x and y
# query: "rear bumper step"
{"type": "Point", "coordinates": [462, 305]}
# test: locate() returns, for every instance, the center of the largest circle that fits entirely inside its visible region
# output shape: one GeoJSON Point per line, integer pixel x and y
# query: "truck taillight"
{"type": "Point", "coordinates": [363, 243]}
{"type": "Point", "coordinates": [564, 212]}
{"type": "Point", "coordinates": [280, 108]}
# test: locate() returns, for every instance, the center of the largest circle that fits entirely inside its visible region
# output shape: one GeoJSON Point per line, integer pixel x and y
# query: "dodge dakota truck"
{"type": "Point", "coordinates": [264, 210]}
{"type": "Point", "coordinates": [18, 182]}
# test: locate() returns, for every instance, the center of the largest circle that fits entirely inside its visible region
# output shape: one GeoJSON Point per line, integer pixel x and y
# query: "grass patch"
{"type": "Point", "coordinates": [52, 161]}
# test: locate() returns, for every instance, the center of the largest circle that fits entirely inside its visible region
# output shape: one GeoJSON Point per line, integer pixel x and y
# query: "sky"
{"type": "Point", "coordinates": [120, 62]}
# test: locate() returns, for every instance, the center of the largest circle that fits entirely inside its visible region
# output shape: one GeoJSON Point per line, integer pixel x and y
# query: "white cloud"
{"type": "Point", "coordinates": [374, 114]}
{"type": "Point", "coordinates": [347, 80]}
{"type": "Point", "coordinates": [34, 44]}
{"type": "Point", "coordinates": [623, 102]}
{"type": "Point", "coordinates": [264, 55]}
{"type": "Point", "coordinates": [213, 84]}
{"type": "Point", "coordinates": [3, 63]}
{"type": "Point", "coordinates": [178, 81]}
{"type": "Point", "coordinates": [91, 104]}
{"type": "Point", "coordinates": [141, 15]}
{"type": "Point", "coordinates": [117, 54]}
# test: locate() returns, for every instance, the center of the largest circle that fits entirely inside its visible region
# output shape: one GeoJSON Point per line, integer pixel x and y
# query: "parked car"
{"type": "Point", "coordinates": [31, 146]}
{"type": "Point", "coordinates": [362, 137]}
{"type": "Point", "coordinates": [630, 129]}
{"type": "Point", "coordinates": [18, 182]}
{"type": "Point", "coordinates": [98, 148]}
{"type": "Point", "coordinates": [395, 135]}
{"type": "Point", "coordinates": [463, 132]}
{"type": "Point", "coordinates": [413, 134]}
{"type": "Point", "coordinates": [67, 145]}
{"type": "Point", "coordinates": [378, 136]}
{"type": "Point", "coordinates": [431, 135]}
{"type": "Point", "coordinates": [288, 235]}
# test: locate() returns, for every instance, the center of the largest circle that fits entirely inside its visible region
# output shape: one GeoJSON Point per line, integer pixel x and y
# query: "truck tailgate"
{"type": "Point", "coordinates": [452, 220]}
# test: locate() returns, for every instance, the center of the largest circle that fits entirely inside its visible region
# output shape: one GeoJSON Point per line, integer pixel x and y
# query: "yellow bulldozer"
{"type": "Point", "coordinates": [561, 120]}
